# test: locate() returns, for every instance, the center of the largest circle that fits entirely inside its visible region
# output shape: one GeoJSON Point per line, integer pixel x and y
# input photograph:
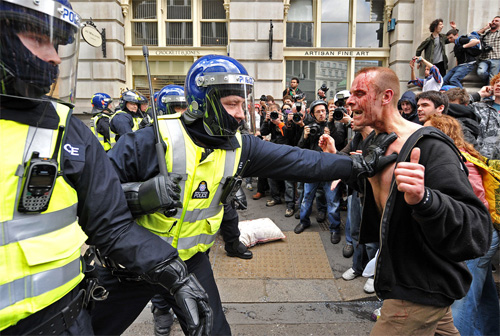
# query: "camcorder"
{"type": "Point", "coordinates": [338, 113]}
{"type": "Point", "coordinates": [274, 115]}
{"type": "Point", "coordinates": [314, 129]}
{"type": "Point", "coordinates": [297, 116]}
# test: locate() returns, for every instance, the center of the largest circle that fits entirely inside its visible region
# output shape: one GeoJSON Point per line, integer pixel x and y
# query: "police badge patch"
{"type": "Point", "coordinates": [201, 192]}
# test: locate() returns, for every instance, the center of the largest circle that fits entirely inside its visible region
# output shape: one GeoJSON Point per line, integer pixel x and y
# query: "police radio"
{"type": "Point", "coordinates": [39, 180]}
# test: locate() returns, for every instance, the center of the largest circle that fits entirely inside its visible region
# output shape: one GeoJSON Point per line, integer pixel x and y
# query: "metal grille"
{"type": "Point", "coordinates": [144, 9]}
{"type": "Point", "coordinates": [213, 33]}
{"type": "Point", "coordinates": [179, 33]}
{"type": "Point", "coordinates": [179, 9]}
{"type": "Point", "coordinates": [213, 9]}
{"type": "Point", "coordinates": [145, 33]}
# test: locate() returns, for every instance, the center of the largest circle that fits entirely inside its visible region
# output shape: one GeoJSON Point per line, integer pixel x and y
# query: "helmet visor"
{"type": "Point", "coordinates": [229, 103]}
{"type": "Point", "coordinates": [39, 49]}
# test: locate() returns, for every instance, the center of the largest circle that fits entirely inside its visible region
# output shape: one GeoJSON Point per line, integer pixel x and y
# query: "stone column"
{"type": "Point", "coordinates": [249, 23]}
{"type": "Point", "coordinates": [96, 73]}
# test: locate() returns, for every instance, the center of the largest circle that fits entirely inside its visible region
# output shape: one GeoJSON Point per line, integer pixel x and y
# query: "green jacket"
{"type": "Point", "coordinates": [428, 46]}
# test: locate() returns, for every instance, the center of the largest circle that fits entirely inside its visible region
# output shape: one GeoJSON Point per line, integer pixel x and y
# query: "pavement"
{"type": "Point", "coordinates": [283, 292]}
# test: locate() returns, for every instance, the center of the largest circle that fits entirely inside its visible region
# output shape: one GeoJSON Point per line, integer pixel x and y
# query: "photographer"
{"type": "Point", "coordinates": [275, 126]}
{"type": "Point", "coordinates": [489, 60]}
{"type": "Point", "coordinates": [294, 91]}
{"type": "Point", "coordinates": [310, 137]}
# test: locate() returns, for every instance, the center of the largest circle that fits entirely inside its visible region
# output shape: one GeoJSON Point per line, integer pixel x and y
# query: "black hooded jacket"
{"type": "Point", "coordinates": [468, 119]}
{"type": "Point", "coordinates": [410, 97]}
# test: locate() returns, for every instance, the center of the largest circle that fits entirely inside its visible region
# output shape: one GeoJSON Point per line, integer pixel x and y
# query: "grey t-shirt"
{"type": "Point", "coordinates": [438, 51]}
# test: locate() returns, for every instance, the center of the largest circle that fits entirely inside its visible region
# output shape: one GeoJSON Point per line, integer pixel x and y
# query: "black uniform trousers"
{"type": "Point", "coordinates": [127, 299]}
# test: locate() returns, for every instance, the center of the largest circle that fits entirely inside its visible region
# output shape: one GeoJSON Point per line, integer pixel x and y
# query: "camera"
{"type": "Point", "coordinates": [296, 97]}
{"type": "Point", "coordinates": [338, 113]}
{"type": "Point", "coordinates": [274, 115]}
{"type": "Point", "coordinates": [487, 48]}
{"type": "Point", "coordinates": [314, 129]}
{"type": "Point", "coordinates": [263, 98]}
{"type": "Point", "coordinates": [324, 88]}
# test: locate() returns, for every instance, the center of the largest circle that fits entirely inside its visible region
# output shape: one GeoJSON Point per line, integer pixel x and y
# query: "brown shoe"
{"type": "Point", "coordinates": [257, 196]}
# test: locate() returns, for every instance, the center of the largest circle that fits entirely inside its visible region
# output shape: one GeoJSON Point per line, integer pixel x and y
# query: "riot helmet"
{"type": "Point", "coordinates": [38, 48]}
{"type": "Point", "coordinates": [129, 96]}
{"type": "Point", "coordinates": [171, 100]}
{"type": "Point", "coordinates": [213, 78]}
{"type": "Point", "coordinates": [101, 102]}
{"type": "Point", "coordinates": [143, 103]}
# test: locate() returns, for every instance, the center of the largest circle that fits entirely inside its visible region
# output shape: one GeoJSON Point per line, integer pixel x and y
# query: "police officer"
{"type": "Point", "coordinates": [205, 149]}
{"type": "Point", "coordinates": [171, 100]}
{"type": "Point", "coordinates": [56, 186]}
{"type": "Point", "coordinates": [129, 116]}
{"type": "Point", "coordinates": [102, 110]}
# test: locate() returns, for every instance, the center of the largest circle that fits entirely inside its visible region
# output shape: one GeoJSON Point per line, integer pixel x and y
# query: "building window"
{"type": "Point", "coordinates": [335, 23]}
{"type": "Point", "coordinates": [213, 23]}
{"type": "Point", "coordinates": [181, 22]}
{"type": "Point", "coordinates": [370, 23]}
{"type": "Point", "coordinates": [144, 23]}
{"type": "Point", "coordinates": [300, 27]}
{"type": "Point", "coordinates": [179, 25]}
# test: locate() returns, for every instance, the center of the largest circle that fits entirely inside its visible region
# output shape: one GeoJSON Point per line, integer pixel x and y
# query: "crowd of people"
{"type": "Point", "coordinates": [152, 183]}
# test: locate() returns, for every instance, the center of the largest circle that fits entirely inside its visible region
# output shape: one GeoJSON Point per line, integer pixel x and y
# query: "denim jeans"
{"type": "Point", "coordinates": [487, 69]}
{"type": "Point", "coordinates": [332, 201]}
{"type": "Point", "coordinates": [290, 194]}
{"type": "Point", "coordinates": [455, 75]}
{"type": "Point", "coordinates": [478, 312]}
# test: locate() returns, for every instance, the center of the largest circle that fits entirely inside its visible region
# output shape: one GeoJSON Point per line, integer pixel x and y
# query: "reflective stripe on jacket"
{"type": "Point", "coordinates": [193, 229]}
{"type": "Point", "coordinates": [39, 253]}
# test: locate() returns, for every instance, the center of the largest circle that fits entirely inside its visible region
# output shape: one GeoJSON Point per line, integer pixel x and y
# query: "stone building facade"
{"type": "Point", "coordinates": [318, 41]}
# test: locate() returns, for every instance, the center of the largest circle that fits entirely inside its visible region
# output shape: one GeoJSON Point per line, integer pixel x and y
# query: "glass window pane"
{"type": "Point", "coordinates": [213, 9]}
{"type": "Point", "coordinates": [369, 34]}
{"type": "Point", "coordinates": [213, 33]}
{"type": "Point", "coordinates": [179, 33]}
{"type": "Point", "coordinates": [305, 71]}
{"type": "Point", "coordinates": [145, 33]}
{"type": "Point", "coordinates": [370, 10]}
{"type": "Point", "coordinates": [299, 34]}
{"type": "Point", "coordinates": [300, 10]}
{"type": "Point", "coordinates": [144, 9]}
{"type": "Point", "coordinates": [335, 81]}
{"type": "Point", "coordinates": [179, 9]}
{"type": "Point", "coordinates": [334, 34]}
{"type": "Point", "coordinates": [335, 10]}
{"type": "Point", "coordinates": [360, 64]}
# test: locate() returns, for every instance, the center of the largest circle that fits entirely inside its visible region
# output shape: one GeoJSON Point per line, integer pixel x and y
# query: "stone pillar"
{"type": "Point", "coordinates": [249, 24]}
{"type": "Point", "coordinates": [96, 73]}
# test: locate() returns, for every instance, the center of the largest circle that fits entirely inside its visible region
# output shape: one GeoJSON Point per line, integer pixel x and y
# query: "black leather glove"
{"type": "Point", "coordinates": [161, 193]}
{"type": "Point", "coordinates": [188, 293]}
{"type": "Point", "coordinates": [373, 160]}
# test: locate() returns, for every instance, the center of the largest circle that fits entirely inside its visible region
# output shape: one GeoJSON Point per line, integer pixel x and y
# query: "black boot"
{"type": "Point", "coordinates": [238, 249]}
{"type": "Point", "coordinates": [163, 321]}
